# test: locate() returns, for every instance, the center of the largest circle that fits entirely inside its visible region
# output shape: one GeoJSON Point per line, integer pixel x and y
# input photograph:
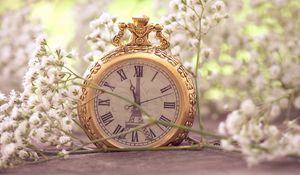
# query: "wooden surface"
{"type": "Point", "coordinates": [159, 162]}
{"type": "Point", "coordinates": [162, 162]}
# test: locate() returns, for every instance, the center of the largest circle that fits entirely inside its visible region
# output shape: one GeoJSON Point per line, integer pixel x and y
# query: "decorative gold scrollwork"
{"type": "Point", "coordinates": [140, 30]}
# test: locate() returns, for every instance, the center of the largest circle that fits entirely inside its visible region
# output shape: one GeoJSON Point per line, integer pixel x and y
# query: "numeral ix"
{"type": "Point", "coordinates": [104, 102]}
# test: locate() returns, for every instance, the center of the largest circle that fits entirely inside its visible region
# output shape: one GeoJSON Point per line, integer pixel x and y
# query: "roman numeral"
{"type": "Point", "coordinates": [158, 125]}
{"type": "Point", "coordinates": [154, 76]}
{"type": "Point", "coordinates": [134, 136]}
{"type": "Point", "coordinates": [106, 84]}
{"type": "Point", "coordinates": [165, 88]}
{"type": "Point", "coordinates": [104, 102]}
{"type": "Point", "coordinates": [138, 71]}
{"type": "Point", "coordinates": [164, 119]}
{"type": "Point", "coordinates": [107, 118]}
{"type": "Point", "coordinates": [118, 129]}
{"type": "Point", "coordinates": [152, 133]}
{"type": "Point", "coordinates": [122, 74]}
{"type": "Point", "coordinates": [169, 105]}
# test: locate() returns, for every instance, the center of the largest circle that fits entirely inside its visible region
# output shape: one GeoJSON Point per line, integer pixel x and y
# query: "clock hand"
{"type": "Point", "coordinates": [132, 88]}
{"type": "Point", "coordinates": [156, 97]}
{"type": "Point", "coordinates": [138, 90]}
{"type": "Point", "coordinates": [128, 106]}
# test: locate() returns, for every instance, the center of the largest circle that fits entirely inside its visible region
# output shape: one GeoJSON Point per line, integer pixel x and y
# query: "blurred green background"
{"type": "Point", "coordinates": [58, 18]}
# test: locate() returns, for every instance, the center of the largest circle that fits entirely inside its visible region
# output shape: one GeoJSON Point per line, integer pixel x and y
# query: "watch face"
{"type": "Point", "coordinates": [146, 83]}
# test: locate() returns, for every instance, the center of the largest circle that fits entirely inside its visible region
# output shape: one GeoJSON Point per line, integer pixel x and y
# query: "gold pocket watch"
{"type": "Point", "coordinates": [145, 74]}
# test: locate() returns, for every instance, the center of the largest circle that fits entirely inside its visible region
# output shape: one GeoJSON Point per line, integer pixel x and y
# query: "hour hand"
{"type": "Point", "coordinates": [132, 88]}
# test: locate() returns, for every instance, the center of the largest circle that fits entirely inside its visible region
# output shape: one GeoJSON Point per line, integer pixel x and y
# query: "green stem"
{"type": "Point", "coordinates": [200, 132]}
{"type": "Point", "coordinates": [201, 126]}
{"type": "Point", "coordinates": [39, 151]}
{"type": "Point", "coordinates": [164, 148]}
{"type": "Point", "coordinates": [289, 109]}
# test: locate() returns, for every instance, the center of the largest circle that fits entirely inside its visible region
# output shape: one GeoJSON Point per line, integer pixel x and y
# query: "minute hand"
{"type": "Point", "coordinates": [128, 106]}
{"type": "Point", "coordinates": [156, 98]}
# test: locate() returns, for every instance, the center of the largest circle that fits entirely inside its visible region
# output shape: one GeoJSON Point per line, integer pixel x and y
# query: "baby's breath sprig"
{"type": "Point", "coordinates": [42, 113]}
{"type": "Point", "coordinates": [193, 20]}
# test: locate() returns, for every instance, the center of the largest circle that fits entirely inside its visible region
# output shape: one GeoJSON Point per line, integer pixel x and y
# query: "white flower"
{"type": "Point", "coordinates": [6, 138]}
{"type": "Point", "coordinates": [103, 29]}
{"type": "Point", "coordinates": [34, 119]}
{"type": "Point", "coordinates": [284, 103]}
{"type": "Point", "coordinates": [275, 111]}
{"type": "Point", "coordinates": [256, 132]}
{"type": "Point", "coordinates": [8, 150]}
{"type": "Point", "coordinates": [274, 71]}
{"type": "Point", "coordinates": [64, 153]}
{"type": "Point", "coordinates": [175, 50]}
{"type": "Point", "coordinates": [14, 112]}
{"type": "Point", "coordinates": [207, 52]}
{"type": "Point", "coordinates": [39, 110]}
{"type": "Point", "coordinates": [20, 131]}
{"type": "Point", "coordinates": [272, 130]}
{"type": "Point", "coordinates": [17, 44]}
{"type": "Point", "coordinates": [227, 145]}
{"type": "Point", "coordinates": [297, 102]}
{"type": "Point", "coordinates": [67, 123]}
{"type": "Point", "coordinates": [23, 154]}
{"type": "Point", "coordinates": [39, 134]}
{"type": "Point", "coordinates": [64, 140]}
{"type": "Point", "coordinates": [174, 4]}
{"type": "Point", "coordinates": [233, 122]}
{"type": "Point", "coordinates": [2, 97]}
{"type": "Point", "coordinates": [222, 128]}
{"type": "Point", "coordinates": [260, 82]}
{"type": "Point", "coordinates": [41, 39]}
{"type": "Point", "coordinates": [74, 91]}
{"type": "Point", "coordinates": [190, 66]}
{"type": "Point", "coordinates": [74, 53]}
{"type": "Point", "coordinates": [218, 5]}
{"type": "Point", "coordinates": [248, 108]}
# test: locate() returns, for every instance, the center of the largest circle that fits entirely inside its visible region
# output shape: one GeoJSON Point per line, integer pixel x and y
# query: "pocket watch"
{"type": "Point", "coordinates": [145, 74]}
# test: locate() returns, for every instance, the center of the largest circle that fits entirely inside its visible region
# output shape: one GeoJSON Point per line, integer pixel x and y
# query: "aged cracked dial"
{"type": "Point", "coordinates": [147, 84]}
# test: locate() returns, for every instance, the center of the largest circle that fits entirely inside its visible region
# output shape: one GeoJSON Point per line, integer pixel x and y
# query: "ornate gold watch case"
{"type": "Point", "coordinates": [104, 118]}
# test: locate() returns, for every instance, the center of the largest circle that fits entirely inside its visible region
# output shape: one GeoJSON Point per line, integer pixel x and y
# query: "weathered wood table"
{"type": "Point", "coordinates": [158, 162]}
{"type": "Point", "coordinates": [161, 162]}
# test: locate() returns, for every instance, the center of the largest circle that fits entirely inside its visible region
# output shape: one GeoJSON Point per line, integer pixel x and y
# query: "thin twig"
{"type": "Point", "coordinates": [201, 127]}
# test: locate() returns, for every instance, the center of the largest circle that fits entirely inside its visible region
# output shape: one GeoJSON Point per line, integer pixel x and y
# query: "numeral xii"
{"type": "Point", "coordinates": [138, 71]}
